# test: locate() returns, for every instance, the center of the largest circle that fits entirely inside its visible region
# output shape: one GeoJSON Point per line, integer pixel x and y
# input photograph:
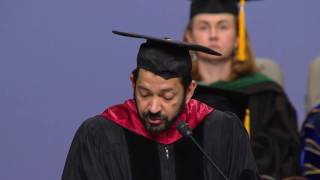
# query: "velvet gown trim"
{"type": "Point", "coordinates": [126, 115]}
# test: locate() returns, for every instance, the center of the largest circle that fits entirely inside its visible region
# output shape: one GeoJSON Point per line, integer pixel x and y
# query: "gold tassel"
{"type": "Point", "coordinates": [242, 41]}
{"type": "Point", "coordinates": [247, 121]}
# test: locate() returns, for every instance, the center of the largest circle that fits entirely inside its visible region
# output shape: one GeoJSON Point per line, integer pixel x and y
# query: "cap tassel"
{"type": "Point", "coordinates": [242, 42]}
{"type": "Point", "coordinates": [247, 121]}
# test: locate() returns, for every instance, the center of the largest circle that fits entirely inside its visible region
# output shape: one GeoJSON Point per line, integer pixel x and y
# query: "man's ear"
{"type": "Point", "coordinates": [133, 82]}
{"type": "Point", "coordinates": [190, 90]}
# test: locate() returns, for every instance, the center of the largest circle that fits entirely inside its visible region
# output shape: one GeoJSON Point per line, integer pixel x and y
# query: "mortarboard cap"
{"type": "Point", "coordinates": [165, 57]}
{"type": "Point", "coordinates": [215, 6]}
{"type": "Point", "coordinates": [235, 7]}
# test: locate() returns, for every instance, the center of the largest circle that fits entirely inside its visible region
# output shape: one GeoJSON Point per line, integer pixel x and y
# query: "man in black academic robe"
{"type": "Point", "coordinates": [139, 140]}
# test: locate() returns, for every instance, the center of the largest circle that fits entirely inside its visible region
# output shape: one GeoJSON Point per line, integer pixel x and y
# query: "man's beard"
{"type": "Point", "coordinates": [167, 122]}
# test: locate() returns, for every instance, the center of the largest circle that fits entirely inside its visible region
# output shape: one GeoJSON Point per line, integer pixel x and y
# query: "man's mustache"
{"type": "Point", "coordinates": [154, 115]}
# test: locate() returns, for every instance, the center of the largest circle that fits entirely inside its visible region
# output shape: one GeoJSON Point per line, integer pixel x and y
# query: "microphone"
{"type": "Point", "coordinates": [186, 131]}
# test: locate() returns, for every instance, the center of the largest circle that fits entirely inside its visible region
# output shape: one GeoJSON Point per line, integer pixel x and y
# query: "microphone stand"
{"type": "Point", "coordinates": [186, 131]}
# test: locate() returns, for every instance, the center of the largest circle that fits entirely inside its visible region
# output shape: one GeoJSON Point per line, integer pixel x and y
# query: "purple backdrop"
{"type": "Point", "coordinates": [60, 64]}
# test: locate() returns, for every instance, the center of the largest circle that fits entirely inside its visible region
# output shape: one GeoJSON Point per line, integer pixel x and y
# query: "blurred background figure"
{"type": "Point", "coordinates": [271, 69]}
{"type": "Point", "coordinates": [313, 86]}
{"type": "Point", "coordinates": [232, 82]}
{"type": "Point", "coordinates": [310, 132]}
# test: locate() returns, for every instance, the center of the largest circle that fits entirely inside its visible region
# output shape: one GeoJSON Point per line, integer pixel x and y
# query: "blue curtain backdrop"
{"type": "Point", "coordinates": [60, 64]}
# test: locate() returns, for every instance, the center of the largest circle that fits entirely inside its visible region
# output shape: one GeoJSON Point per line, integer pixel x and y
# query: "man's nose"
{"type": "Point", "coordinates": [155, 106]}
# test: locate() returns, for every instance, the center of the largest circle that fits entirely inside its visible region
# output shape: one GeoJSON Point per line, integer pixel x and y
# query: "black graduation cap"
{"type": "Point", "coordinates": [215, 6]}
{"type": "Point", "coordinates": [166, 57]}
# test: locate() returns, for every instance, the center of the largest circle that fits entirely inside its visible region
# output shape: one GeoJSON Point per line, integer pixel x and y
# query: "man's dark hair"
{"type": "Point", "coordinates": [185, 80]}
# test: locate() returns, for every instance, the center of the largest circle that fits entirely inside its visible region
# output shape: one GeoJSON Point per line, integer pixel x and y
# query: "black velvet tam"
{"type": "Point", "coordinates": [166, 57]}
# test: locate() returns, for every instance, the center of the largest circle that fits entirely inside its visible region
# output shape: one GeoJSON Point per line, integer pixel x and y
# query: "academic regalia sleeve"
{"type": "Point", "coordinates": [82, 162]}
{"type": "Point", "coordinates": [310, 142]}
{"type": "Point", "coordinates": [275, 136]}
{"type": "Point", "coordinates": [229, 145]}
{"type": "Point", "coordinates": [242, 159]}
{"type": "Point", "coordinates": [290, 145]}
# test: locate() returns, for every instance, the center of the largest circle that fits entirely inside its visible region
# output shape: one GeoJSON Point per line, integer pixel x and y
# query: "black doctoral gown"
{"type": "Point", "coordinates": [119, 149]}
{"type": "Point", "coordinates": [273, 124]}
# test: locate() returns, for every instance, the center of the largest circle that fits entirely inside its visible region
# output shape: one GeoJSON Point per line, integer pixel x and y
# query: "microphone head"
{"type": "Point", "coordinates": [184, 129]}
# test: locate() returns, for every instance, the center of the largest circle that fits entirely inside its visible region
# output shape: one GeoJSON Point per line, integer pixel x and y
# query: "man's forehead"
{"type": "Point", "coordinates": [148, 79]}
